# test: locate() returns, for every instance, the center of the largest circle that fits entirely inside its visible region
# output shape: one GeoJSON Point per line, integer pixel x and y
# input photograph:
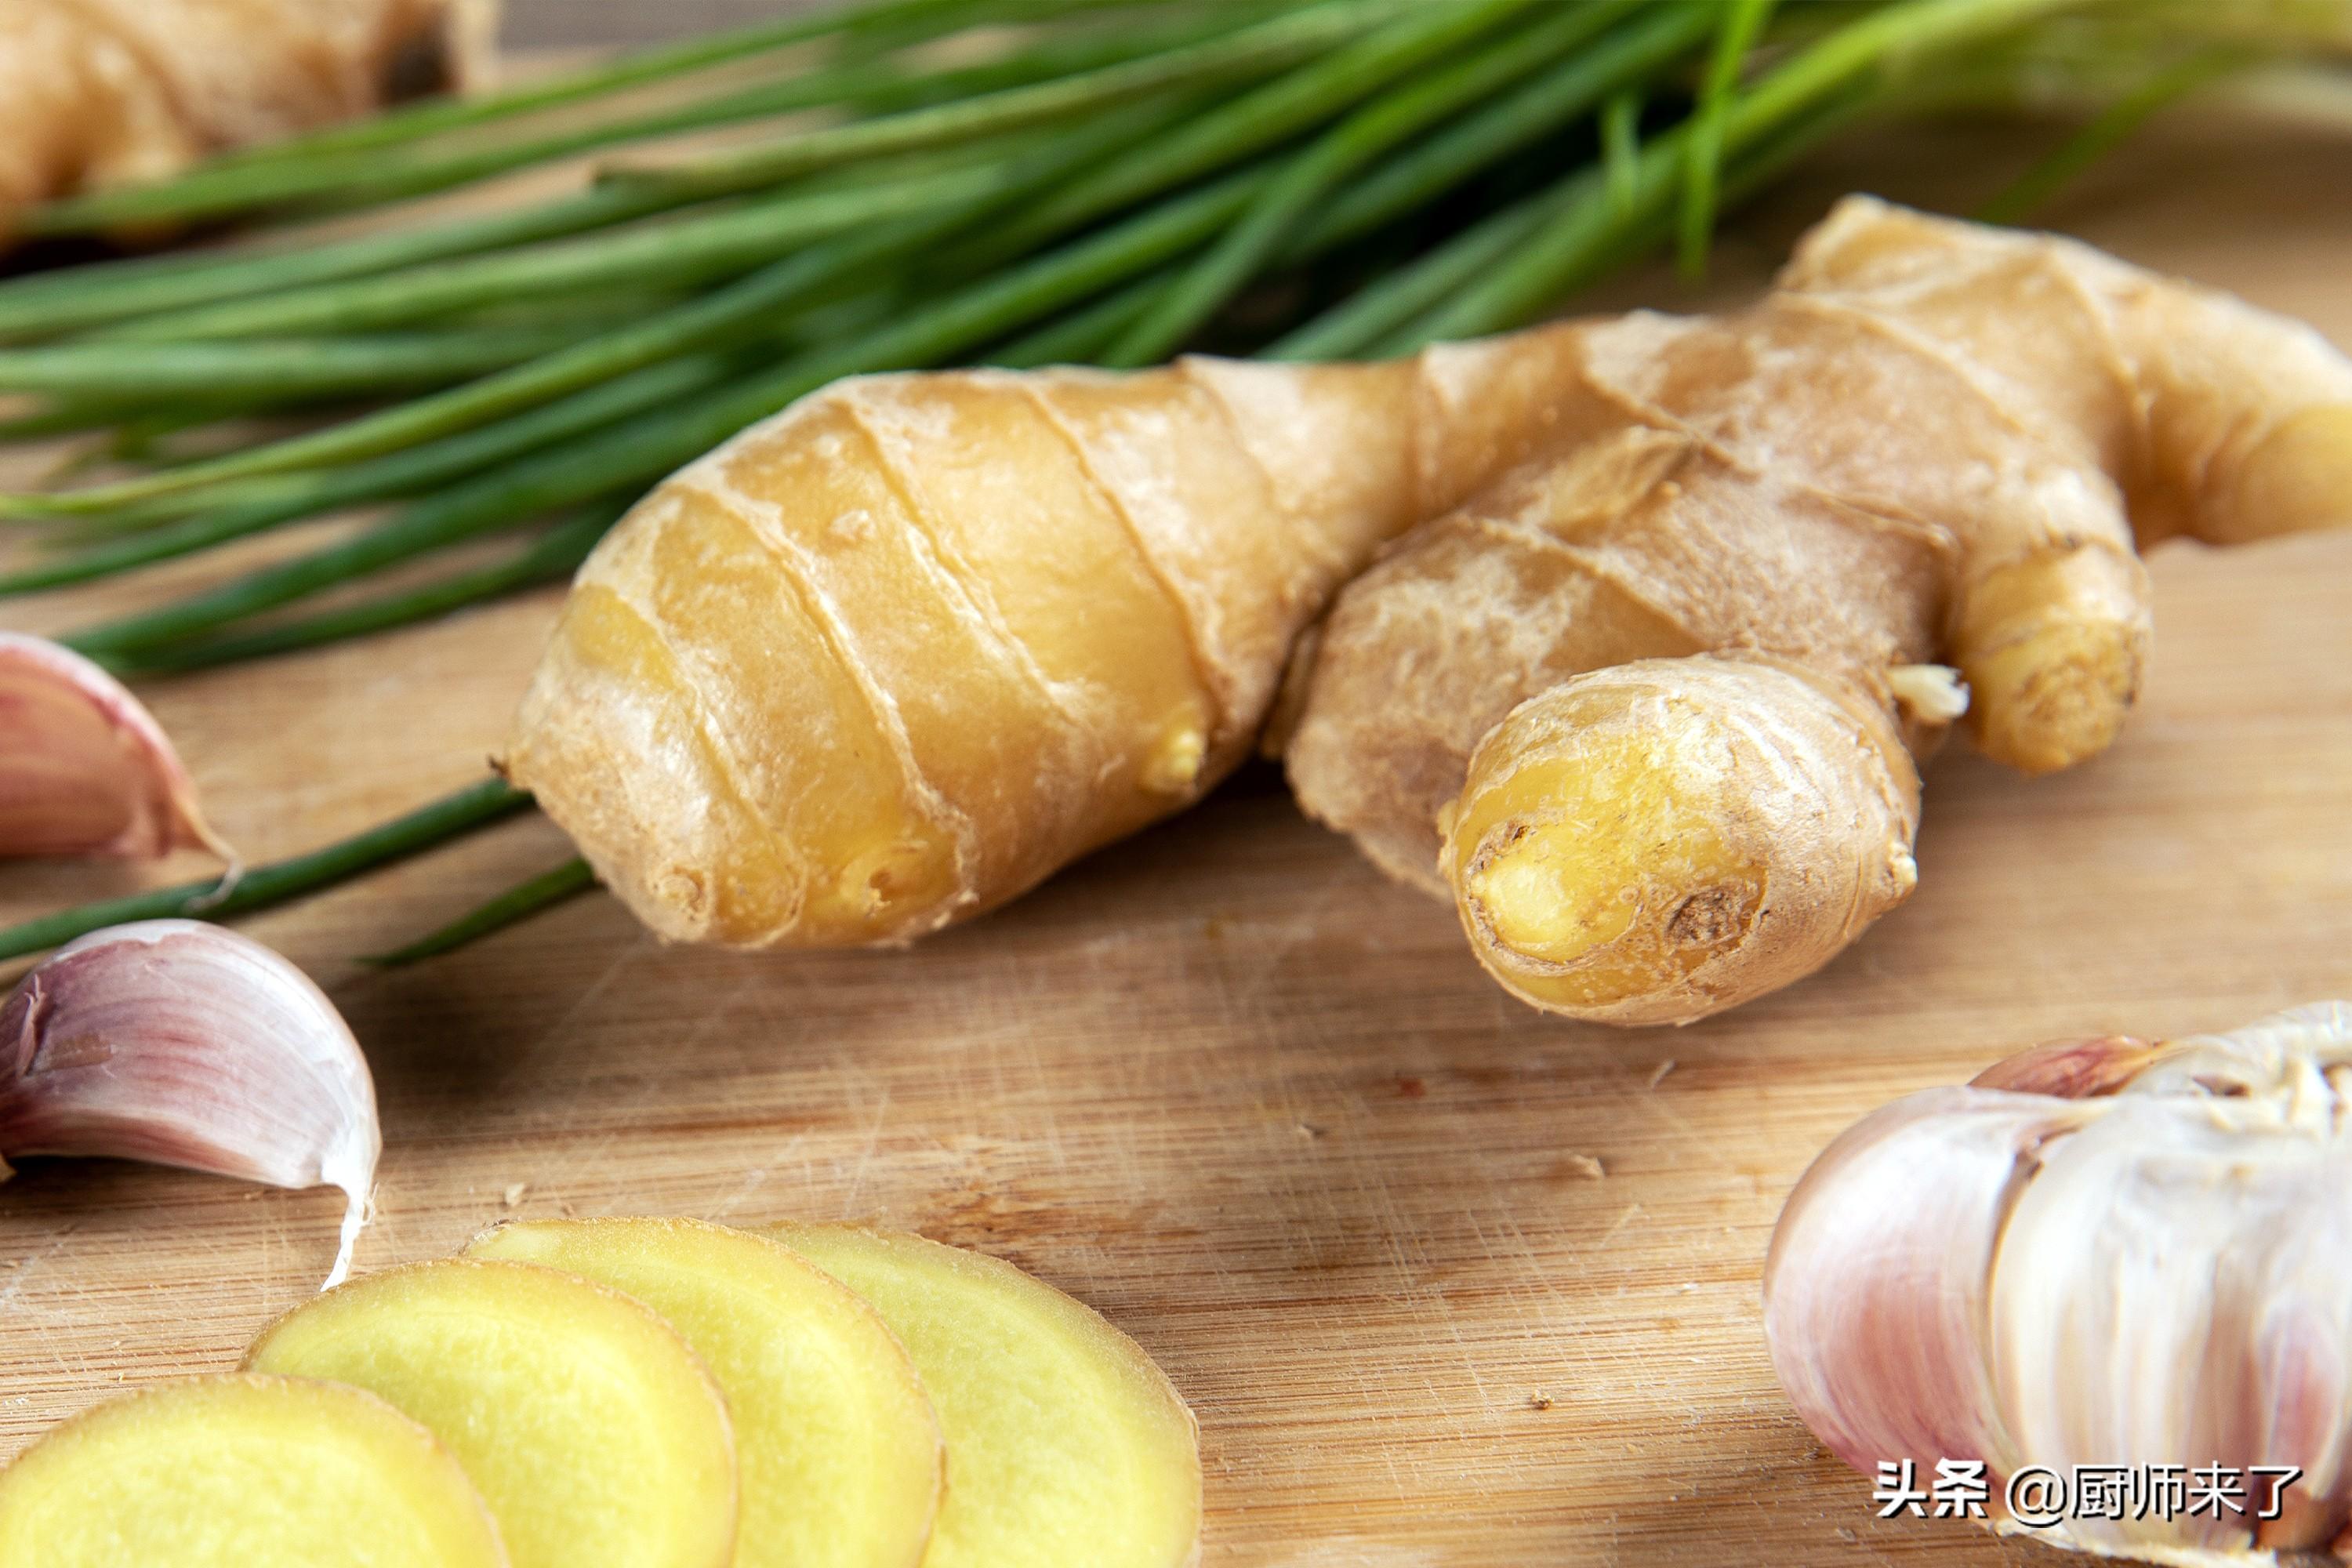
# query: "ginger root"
{"type": "Point", "coordinates": [1648, 708]}
{"type": "Point", "coordinates": [898, 654]}
{"type": "Point", "coordinates": [895, 655]}
{"type": "Point", "coordinates": [105, 92]}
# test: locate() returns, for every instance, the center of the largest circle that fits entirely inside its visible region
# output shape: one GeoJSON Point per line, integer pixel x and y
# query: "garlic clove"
{"type": "Point", "coordinates": [2173, 1289]}
{"type": "Point", "coordinates": [84, 767]}
{"type": "Point", "coordinates": [2145, 1251]}
{"type": "Point", "coordinates": [185, 1044]}
{"type": "Point", "coordinates": [1877, 1285]}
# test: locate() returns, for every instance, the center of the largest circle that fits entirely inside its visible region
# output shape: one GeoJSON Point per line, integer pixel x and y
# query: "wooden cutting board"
{"type": "Point", "coordinates": [1448, 1282]}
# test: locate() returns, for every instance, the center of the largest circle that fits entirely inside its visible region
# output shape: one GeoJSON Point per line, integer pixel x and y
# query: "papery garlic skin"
{"type": "Point", "coordinates": [2125, 1255]}
{"type": "Point", "coordinates": [84, 767]}
{"type": "Point", "coordinates": [185, 1044]}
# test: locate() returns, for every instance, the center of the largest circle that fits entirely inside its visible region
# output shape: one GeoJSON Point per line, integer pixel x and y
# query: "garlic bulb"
{"type": "Point", "coordinates": [2101, 1258]}
{"type": "Point", "coordinates": [184, 1044]}
{"type": "Point", "coordinates": [84, 768]}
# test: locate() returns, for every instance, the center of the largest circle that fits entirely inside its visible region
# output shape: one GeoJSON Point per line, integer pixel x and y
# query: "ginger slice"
{"type": "Point", "coordinates": [596, 1437]}
{"type": "Point", "coordinates": [244, 1471]}
{"type": "Point", "coordinates": [1066, 1446]}
{"type": "Point", "coordinates": [840, 1454]}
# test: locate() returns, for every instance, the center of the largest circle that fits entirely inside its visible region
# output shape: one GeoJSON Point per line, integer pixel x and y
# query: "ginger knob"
{"type": "Point", "coordinates": [1913, 476]}
{"type": "Point", "coordinates": [1647, 843]}
{"type": "Point", "coordinates": [2100, 1256]}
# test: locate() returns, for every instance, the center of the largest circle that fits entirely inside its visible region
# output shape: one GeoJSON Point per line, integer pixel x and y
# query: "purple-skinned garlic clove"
{"type": "Point", "coordinates": [184, 1044]}
{"type": "Point", "coordinates": [1878, 1284]}
{"type": "Point", "coordinates": [84, 767]}
{"type": "Point", "coordinates": [2102, 1256]}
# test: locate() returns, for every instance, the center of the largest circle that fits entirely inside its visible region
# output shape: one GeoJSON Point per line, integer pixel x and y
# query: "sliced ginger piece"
{"type": "Point", "coordinates": [595, 1435]}
{"type": "Point", "coordinates": [244, 1471]}
{"type": "Point", "coordinates": [1067, 1447]}
{"type": "Point", "coordinates": [839, 1452]}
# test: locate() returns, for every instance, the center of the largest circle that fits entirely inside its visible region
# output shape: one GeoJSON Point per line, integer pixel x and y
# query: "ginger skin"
{"type": "Point", "coordinates": [893, 657]}
{"type": "Point", "coordinates": [899, 653]}
{"type": "Point", "coordinates": [105, 92]}
{"type": "Point", "coordinates": [1634, 708]}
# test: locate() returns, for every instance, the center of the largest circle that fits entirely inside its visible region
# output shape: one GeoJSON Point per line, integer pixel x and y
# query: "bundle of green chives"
{"type": "Point", "coordinates": [1014, 180]}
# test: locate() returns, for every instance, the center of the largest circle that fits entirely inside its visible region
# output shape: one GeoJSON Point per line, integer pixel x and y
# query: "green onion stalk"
{"type": "Point", "coordinates": [913, 183]}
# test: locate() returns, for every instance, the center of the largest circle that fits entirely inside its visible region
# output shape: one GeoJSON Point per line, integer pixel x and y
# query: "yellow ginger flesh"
{"type": "Point", "coordinates": [1066, 1446]}
{"type": "Point", "coordinates": [837, 1448]}
{"type": "Point", "coordinates": [594, 1434]}
{"type": "Point", "coordinates": [241, 1471]}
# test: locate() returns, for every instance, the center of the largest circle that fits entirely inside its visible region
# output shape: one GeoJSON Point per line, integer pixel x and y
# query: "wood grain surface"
{"type": "Point", "coordinates": [1448, 1282]}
